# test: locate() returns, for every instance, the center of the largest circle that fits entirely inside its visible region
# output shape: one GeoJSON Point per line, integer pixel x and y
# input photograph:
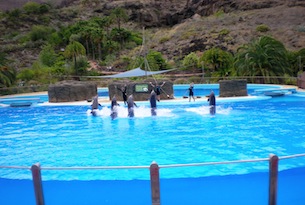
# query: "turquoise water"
{"type": "Point", "coordinates": [182, 132]}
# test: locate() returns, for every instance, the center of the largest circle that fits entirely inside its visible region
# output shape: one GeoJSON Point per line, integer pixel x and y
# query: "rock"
{"type": "Point", "coordinates": [70, 91]}
{"type": "Point", "coordinates": [233, 88]}
{"type": "Point", "coordinates": [139, 91]}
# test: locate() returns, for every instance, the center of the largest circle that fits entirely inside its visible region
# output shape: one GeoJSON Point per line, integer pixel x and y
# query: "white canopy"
{"type": "Point", "coordinates": [137, 72]}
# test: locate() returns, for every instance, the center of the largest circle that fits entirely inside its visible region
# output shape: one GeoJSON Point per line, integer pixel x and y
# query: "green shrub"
{"type": "Point", "coordinates": [191, 61]}
{"type": "Point", "coordinates": [31, 7]}
{"type": "Point", "coordinates": [224, 32]}
{"type": "Point", "coordinates": [26, 75]}
{"type": "Point", "coordinates": [40, 33]}
{"type": "Point", "coordinates": [262, 28]}
{"type": "Point", "coordinates": [219, 13]}
{"type": "Point", "coordinates": [164, 39]}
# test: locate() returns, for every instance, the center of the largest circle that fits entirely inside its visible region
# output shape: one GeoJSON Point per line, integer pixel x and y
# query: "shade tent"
{"type": "Point", "coordinates": [137, 72]}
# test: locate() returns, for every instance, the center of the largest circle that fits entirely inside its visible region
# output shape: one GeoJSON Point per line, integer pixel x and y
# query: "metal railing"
{"type": "Point", "coordinates": [155, 175]}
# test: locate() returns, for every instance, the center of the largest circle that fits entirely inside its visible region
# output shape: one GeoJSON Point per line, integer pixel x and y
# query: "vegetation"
{"type": "Point", "coordinates": [7, 74]}
{"type": "Point", "coordinates": [265, 57]}
{"type": "Point", "coordinates": [63, 49]}
{"type": "Point", "coordinates": [262, 28]}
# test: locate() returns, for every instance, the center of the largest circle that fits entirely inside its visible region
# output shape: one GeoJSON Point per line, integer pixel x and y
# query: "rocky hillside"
{"type": "Point", "coordinates": [175, 27]}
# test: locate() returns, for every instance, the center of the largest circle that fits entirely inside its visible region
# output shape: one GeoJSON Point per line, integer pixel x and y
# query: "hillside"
{"type": "Point", "coordinates": [173, 27]}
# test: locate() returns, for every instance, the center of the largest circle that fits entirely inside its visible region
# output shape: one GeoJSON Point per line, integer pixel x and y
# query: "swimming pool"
{"type": "Point", "coordinates": [182, 132]}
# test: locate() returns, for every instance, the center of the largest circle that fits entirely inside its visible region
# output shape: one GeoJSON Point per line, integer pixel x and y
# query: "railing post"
{"type": "Point", "coordinates": [155, 183]}
{"type": "Point", "coordinates": [273, 178]}
{"type": "Point", "coordinates": [36, 175]}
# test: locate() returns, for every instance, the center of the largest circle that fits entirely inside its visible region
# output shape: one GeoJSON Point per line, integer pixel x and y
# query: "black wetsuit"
{"type": "Point", "coordinates": [124, 93]}
{"type": "Point", "coordinates": [191, 92]}
{"type": "Point", "coordinates": [158, 90]}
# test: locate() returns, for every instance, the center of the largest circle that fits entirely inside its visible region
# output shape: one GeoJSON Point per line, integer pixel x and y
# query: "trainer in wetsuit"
{"type": "Point", "coordinates": [157, 89]}
{"type": "Point", "coordinates": [191, 92]}
{"type": "Point", "coordinates": [124, 93]}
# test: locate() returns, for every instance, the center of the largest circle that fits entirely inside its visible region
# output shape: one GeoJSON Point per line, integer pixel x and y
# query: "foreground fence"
{"type": "Point", "coordinates": [155, 175]}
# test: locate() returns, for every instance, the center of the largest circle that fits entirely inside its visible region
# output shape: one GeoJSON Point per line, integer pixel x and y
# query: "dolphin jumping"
{"type": "Point", "coordinates": [212, 102]}
{"type": "Point", "coordinates": [114, 108]}
{"type": "Point", "coordinates": [94, 106]}
{"type": "Point", "coordinates": [153, 103]}
{"type": "Point", "coordinates": [130, 105]}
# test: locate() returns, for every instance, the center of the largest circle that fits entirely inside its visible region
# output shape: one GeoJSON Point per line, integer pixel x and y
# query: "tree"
{"type": "Point", "coordinates": [191, 61]}
{"type": "Point", "coordinates": [218, 61]}
{"type": "Point", "coordinates": [48, 56]}
{"type": "Point", "coordinates": [263, 57]}
{"type": "Point", "coordinates": [297, 61]}
{"type": "Point", "coordinates": [156, 61]}
{"type": "Point", "coordinates": [119, 15]}
{"type": "Point", "coordinates": [120, 35]}
{"type": "Point", "coordinates": [74, 50]}
{"type": "Point", "coordinates": [7, 74]}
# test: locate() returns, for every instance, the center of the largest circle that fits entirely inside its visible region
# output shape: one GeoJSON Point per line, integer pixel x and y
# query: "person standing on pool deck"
{"type": "Point", "coordinates": [124, 93]}
{"type": "Point", "coordinates": [157, 89]}
{"type": "Point", "coordinates": [212, 102]}
{"type": "Point", "coordinates": [191, 92]}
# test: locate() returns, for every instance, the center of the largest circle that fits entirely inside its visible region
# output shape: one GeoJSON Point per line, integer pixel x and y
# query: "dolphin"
{"type": "Point", "coordinates": [94, 106]}
{"type": "Point", "coordinates": [212, 102]}
{"type": "Point", "coordinates": [114, 108]}
{"type": "Point", "coordinates": [130, 105]}
{"type": "Point", "coordinates": [153, 103]}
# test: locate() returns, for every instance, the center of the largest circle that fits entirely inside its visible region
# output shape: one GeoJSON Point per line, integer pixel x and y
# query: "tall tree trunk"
{"type": "Point", "coordinates": [93, 50]}
{"type": "Point", "coordinates": [99, 51]}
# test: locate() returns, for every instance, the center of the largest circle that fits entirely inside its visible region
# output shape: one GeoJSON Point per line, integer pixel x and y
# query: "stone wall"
{"type": "Point", "coordinates": [233, 88]}
{"type": "Point", "coordinates": [139, 91]}
{"type": "Point", "coordinates": [70, 91]}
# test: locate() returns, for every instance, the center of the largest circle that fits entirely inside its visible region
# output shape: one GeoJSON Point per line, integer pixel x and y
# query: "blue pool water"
{"type": "Point", "coordinates": [182, 132]}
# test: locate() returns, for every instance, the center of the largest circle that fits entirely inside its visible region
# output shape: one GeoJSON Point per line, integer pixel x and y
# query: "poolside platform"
{"type": "Point", "coordinates": [273, 92]}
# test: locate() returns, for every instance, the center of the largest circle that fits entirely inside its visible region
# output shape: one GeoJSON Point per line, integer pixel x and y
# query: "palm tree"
{"type": "Point", "coordinates": [119, 15]}
{"type": "Point", "coordinates": [73, 50]}
{"type": "Point", "coordinates": [263, 57]}
{"type": "Point", "coordinates": [7, 74]}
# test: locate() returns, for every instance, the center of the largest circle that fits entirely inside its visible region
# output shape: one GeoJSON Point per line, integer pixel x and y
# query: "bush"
{"type": "Point", "coordinates": [262, 28]}
{"type": "Point", "coordinates": [224, 32]}
{"type": "Point", "coordinates": [164, 39]}
{"type": "Point", "coordinates": [191, 61]}
{"type": "Point", "coordinates": [26, 74]}
{"type": "Point", "coordinates": [31, 7]}
{"type": "Point", "coordinates": [40, 33]}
